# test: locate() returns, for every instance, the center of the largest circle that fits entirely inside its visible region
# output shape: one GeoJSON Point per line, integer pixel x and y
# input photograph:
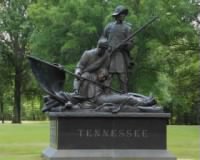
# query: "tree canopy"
{"type": "Point", "coordinates": [166, 53]}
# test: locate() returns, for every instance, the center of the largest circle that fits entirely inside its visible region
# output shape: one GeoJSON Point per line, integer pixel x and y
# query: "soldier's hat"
{"type": "Point", "coordinates": [102, 43]}
{"type": "Point", "coordinates": [120, 10]}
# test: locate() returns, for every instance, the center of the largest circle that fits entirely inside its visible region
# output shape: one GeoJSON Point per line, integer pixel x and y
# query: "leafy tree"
{"type": "Point", "coordinates": [73, 26]}
{"type": "Point", "coordinates": [165, 54]}
{"type": "Point", "coordinates": [160, 51]}
{"type": "Point", "coordinates": [15, 29]}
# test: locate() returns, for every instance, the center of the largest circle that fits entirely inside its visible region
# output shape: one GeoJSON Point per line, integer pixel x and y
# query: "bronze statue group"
{"type": "Point", "coordinates": [94, 75]}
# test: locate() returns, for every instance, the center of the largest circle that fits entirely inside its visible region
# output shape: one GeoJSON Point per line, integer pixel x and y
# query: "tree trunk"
{"type": "Point", "coordinates": [2, 110]}
{"type": "Point", "coordinates": [17, 97]}
{"type": "Point", "coordinates": [32, 107]}
{"type": "Point", "coordinates": [198, 114]}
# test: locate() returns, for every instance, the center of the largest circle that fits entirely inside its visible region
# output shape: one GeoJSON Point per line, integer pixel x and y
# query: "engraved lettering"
{"type": "Point", "coordinates": [129, 133]}
{"type": "Point", "coordinates": [105, 133]}
{"type": "Point", "coordinates": [88, 132]}
{"type": "Point", "coordinates": [97, 133]}
{"type": "Point", "coordinates": [144, 133]}
{"type": "Point", "coordinates": [113, 133]}
{"type": "Point", "coordinates": [135, 133]}
{"type": "Point", "coordinates": [122, 133]}
{"type": "Point", "coordinates": [80, 131]}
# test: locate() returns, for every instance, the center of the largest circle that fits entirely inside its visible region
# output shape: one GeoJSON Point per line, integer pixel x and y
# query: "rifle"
{"type": "Point", "coordinates": [133, 34]}
{"type": "Point", "coordinates": [106, 57]}
{"type": "Point", "coordinates": [61, 68]}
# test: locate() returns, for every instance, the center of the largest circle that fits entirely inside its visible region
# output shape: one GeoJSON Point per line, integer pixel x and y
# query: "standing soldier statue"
{"type": "Point", "coordinates": [116, 32]}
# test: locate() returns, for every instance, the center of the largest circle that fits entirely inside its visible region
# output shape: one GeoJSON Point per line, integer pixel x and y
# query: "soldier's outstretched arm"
{"type": "Point", "coordinates": [97, 64]}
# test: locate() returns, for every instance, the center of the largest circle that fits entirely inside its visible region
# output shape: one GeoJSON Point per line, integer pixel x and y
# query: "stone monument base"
{"type": "Point", "coordinates": [107, 136]}
{"type": "Point", "coordinates": [54, 154]}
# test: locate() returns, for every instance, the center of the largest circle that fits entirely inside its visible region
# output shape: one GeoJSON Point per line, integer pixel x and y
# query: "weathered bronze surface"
{"type": "Point", "coordinates": [93, 75]}
{"type": "Point", "coordinates": [51, 78]}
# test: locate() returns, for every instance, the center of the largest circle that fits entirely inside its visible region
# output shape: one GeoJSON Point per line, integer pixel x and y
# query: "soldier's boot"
{"type": "Point", "coordinates": [123, 82]}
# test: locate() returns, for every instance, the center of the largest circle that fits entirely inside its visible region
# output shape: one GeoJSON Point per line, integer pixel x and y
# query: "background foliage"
{"type": "Point", "coordinates": [166, 54]}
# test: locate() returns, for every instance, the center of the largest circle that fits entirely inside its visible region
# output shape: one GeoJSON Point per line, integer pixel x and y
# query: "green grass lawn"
{"type": "Point", "coordinates": [26, 141]}
{"type": "Point", "coordinates": [23, 141]}
{"type": "Point", "coordinates": [184, 141]}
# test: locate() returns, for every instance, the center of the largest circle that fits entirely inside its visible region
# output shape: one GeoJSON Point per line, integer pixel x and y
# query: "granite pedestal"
{"type": "Point", "coordinates": [107, 136]}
